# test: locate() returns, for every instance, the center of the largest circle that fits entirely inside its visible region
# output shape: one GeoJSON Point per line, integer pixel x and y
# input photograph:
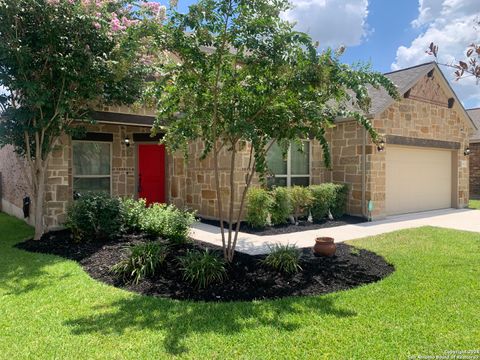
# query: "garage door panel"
{"type": "Point", "coordinates": [417, 179]}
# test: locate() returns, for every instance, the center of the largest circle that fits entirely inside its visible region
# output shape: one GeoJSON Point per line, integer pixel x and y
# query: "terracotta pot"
{"type": "Point", "coordinates": [324, 246]}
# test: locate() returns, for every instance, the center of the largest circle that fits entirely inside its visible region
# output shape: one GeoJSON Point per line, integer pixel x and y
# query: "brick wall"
{"type": "Point", "coordinates": [475, 171]}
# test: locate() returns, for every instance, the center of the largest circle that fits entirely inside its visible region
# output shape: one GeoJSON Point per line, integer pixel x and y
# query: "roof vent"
{"type": "Point", "coordinates": [451, 101]}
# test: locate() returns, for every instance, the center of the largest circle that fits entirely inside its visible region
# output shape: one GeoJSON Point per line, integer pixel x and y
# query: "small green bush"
{"type": "Point", "coordinates": [284, 258]}
{"type": "Point", "coordinates": [301, 199]}
{"type": "Point", "coordinates": [202, 268]}
{"type": "Point", "coordinates": [133, 212]}
{"type": "Point", "coordinates": [168, 222]}
{"type": "Point", "coordinates": [323, 200]}
{"type": "Point", "coordinates": [95, 216]}
{"type": "Point", "coordinates": [327, 197]}
{"type": "Point", "coordinates": [281, 207]}
{"type": "Point", "coordinates": [259, 202]}
{"type": "Point", "coordinates": [144, 261]}
{"type": "Point", "coordinates": [339, 207]}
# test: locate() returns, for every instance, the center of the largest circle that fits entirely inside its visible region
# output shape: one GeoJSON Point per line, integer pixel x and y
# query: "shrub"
{"type": "Point", "coordinates": [284, 258]}
{"type": "Point", "coordinates": [281, 207]}
{"type": "Point", "coordinates": [339, 207]}
{"type": "Point", "coordinates": [323, 200]}
{"type": "Point", "coordinates": [301, 199]}
{"type": "Point", "coordinates": [259, 202]}
{"type": "Point", "coordinates": [143, 261]}
{"type": "Point", "coordinates": [202, 268]}
{"type": "Point", "coordinates": [327, 197]}
{"type": "Point", "coordinates": [95, 216]}
{"type": "Point", "coordinates": [133, 212]}
{"type": "Point", "coordinates": [168, 222]}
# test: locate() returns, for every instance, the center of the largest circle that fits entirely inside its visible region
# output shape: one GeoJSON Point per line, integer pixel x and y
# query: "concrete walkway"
{"type": "Point", "coordinates": [459, 219]}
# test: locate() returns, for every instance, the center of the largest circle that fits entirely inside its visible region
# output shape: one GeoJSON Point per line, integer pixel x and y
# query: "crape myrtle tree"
{"type": "Point", "coordinates": [60, 58]}
{"type": "Point", "coordinates": [468, 67]}
{"type": "Point", "coordinates": [245, 75]}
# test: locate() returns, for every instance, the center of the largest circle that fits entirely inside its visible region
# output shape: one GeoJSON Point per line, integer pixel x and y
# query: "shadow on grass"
{"type": "Point", "coordinates": [180, 319]}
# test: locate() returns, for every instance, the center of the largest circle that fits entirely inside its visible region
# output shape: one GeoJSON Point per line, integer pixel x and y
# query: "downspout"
{"type": "Point", "coordinates": [364, 172]}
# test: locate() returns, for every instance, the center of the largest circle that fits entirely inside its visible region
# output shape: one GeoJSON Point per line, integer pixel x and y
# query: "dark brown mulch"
{"type": "Point", "coordinates": [290, 228]}
{"type": "Point", "coordinates": [248, 279]}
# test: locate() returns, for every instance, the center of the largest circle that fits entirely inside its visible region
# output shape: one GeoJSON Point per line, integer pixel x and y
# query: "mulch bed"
{"type": "Point", "coordinates": [248, 279]}
{"type": "Point", "coordinates": [290, 228]}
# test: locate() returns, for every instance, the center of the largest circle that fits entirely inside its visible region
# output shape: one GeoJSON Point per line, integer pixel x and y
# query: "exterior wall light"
{"type": "Point", "coordinates": [467, 151]}
{"type": "Point", "coordinates": [381, 145]}
{"type": "Point", "coordinates": [126, 141]}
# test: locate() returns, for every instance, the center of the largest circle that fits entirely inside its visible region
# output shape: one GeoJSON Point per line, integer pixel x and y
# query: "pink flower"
{"type": "Point", "coordinates": [97, 25]}
{"type": "Point", "coordinates": [53, 2]}
{"type": "Point", "coordinates": [151, 6]}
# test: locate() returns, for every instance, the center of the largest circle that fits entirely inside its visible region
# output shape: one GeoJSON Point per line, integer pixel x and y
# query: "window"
{"type": "Point", "coordinates": [294, 170]}
{"type": "Point", "coordinates": [91, 166]}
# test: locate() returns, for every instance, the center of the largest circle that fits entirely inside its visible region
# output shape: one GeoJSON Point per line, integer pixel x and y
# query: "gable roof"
{"type": "Point", "coordinates": [475, 116]}
{"type": "Point", "coordinates": [405, 79]}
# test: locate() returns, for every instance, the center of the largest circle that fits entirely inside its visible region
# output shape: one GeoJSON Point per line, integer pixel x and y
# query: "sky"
{"type": "Point", "coordinates": [393, 34]}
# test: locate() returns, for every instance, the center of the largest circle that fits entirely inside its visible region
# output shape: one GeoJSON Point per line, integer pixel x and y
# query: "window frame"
{"type": "Point", "coordinates": [288, 176]}
{"type": "Point", "coordinates": [93, 176]}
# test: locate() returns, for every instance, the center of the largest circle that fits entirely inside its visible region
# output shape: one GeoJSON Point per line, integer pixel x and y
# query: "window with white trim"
{"type": "Point", "coordinates": [292, 170]}
{"type": "Point", "coordinates": [92, 166]}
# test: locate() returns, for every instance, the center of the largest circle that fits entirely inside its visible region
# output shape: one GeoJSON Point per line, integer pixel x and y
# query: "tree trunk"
{"type": "Point", "coordinates": [39, 203]}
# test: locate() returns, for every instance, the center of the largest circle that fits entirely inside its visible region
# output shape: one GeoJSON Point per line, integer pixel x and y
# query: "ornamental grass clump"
{"type": "Point", "coordinates": [203, 268]}
{"type": "Point", "coordinates": [143, 261]}
{"type": "Point", "coordinates": [284, 258]}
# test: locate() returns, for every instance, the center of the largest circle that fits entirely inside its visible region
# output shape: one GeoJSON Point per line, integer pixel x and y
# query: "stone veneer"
{"type": "Point", "coordinates": [190, 184]}
{"type": "Point", "coordinates": [59, 192]}
{"type": "Point", "coordinates": [474, 170]}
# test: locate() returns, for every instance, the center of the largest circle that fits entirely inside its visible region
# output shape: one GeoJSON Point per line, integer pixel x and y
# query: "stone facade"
{"type": "Point", "coordinates": [424, 114]}
{"type": "Point", "coordinates": [13, 185]}
{"type": "Point", "coordinates": [475, 170]}
{"type": "Point", "coordinates": [192, 181]}
{"type": "Point", "coordinates": [59, 185]}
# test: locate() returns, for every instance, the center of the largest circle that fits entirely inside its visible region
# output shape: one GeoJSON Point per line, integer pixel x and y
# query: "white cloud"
{"type": "Point", "coordinates": [331, 22]}
{"type": "Point", "coordinates": [451, 24]}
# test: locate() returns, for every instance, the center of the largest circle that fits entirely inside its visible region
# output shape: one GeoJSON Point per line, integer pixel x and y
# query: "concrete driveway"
{"type": "Point", "coordinates": [458, 219]}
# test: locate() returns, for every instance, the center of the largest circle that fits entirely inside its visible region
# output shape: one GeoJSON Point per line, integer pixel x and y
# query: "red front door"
{"type": "Point", "coordinates": [151, 173]}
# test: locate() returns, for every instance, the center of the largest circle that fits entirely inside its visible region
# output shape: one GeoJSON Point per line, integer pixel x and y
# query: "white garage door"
{"type": "Point", "coordinates": [418, 179]}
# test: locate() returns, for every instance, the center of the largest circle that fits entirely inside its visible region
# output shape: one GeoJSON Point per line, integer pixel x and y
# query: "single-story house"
{"type": "Point", "coordinates": [421, 165]}
{"type": "Point", "coordinates": [475, 155]}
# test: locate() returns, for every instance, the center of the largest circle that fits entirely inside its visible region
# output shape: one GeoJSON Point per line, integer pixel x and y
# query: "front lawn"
{"type": "Point", "coordinates": [474, 204]}
{"type": "Point", "coordinates": [50, 308]}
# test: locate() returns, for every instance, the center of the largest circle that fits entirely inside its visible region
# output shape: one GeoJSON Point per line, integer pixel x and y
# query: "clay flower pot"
{"type": "Point", "coordinates": [324, 246]}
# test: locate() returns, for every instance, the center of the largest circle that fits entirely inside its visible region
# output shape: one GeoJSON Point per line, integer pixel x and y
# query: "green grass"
{"type": "Point", "coordinates": [474, 204]}
{"type": "Point", "coordinates": [50, 308]}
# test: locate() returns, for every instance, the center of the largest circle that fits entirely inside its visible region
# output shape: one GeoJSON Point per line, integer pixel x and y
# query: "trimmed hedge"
{"type": "Point", "coordinates": [94, 217]}
{"type": "Point", "coordinates": [327, 197]}
{"type": "Point", "coordinates": [259, 202]}
{"type": "Point", "coordinates": [281, 203]}
{"type": "Point", "coordinates": [281, 208]}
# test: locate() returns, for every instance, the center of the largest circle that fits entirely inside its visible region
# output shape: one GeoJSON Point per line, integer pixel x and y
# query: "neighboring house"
{"type": "Point", "coordinates": [475, 156]}
{"type": "Point", "coordinates": [422, 165]}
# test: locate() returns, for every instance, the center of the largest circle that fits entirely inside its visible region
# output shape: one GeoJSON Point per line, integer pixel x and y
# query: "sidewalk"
{"type": "Point", "coordinates": [459, 219]}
